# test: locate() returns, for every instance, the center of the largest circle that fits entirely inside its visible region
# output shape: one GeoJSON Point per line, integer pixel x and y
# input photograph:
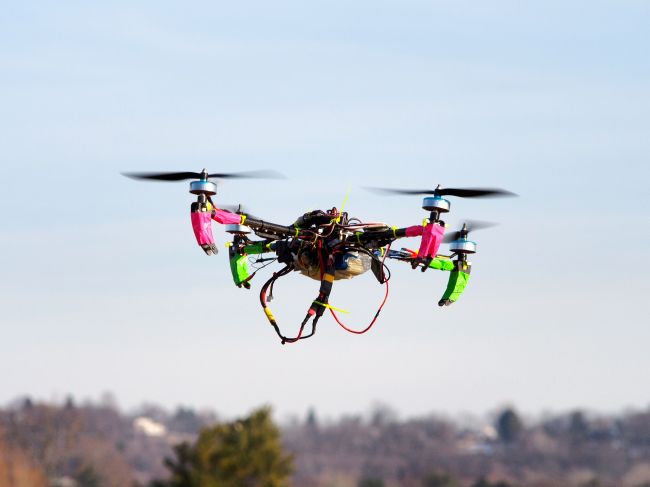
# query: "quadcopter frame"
{"type": "Point", "coordinates": [322, 238]}
{"type": "Point", "coordinates": [328, 245]}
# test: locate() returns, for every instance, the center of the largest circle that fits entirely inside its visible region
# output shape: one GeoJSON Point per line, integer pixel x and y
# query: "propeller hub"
{"type": "Point", "coordinates": [431, 203]}
{"type": "Point", "coordinates": [203, 187]}
{"type": "Point", "coordinates": [463, 246]}
{"type": "Point", "coordinates": [237, 229]}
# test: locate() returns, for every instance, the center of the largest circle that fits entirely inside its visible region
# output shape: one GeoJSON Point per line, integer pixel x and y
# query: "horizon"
{"type": "Point", "coordinates": [460, 418]}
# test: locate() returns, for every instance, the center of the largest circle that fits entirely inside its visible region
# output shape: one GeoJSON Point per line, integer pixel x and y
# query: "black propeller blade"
{"type": "Point", "coordinates": [400, 191]}
{"type": "Point", "coordinates": [163, 176]}
{"type": "Point", "coordinates": [460, 192]}
{"type": "Point", "coordinates": [468, 226]}
{"type": "Point", "coordinates": [182, 176]}
{"type": "Point", "coordinates": [475, 192]}
{"type": "Point", "coordinates": [264, 174]}
{"type": "Point", "coordinates": [239, 208]}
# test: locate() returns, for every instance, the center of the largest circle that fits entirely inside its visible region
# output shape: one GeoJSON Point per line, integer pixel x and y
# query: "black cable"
{"type": "Point", "coordinates": [268, 284]}
{"type": "Point", "coordinates": [258, 268]}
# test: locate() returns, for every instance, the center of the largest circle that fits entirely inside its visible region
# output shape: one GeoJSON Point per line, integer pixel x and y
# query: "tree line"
{"type": "Point", "coordinates": [96, 445]}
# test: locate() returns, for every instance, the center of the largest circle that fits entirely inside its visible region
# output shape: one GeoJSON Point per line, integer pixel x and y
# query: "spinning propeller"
{"type": "Point", "coordinates": [460, 192]}
{"type": "Point", "coordinates": [201, 185]}
{"type": "Point", "coordinates": [468, 226]}
{"type": "Point", "coordinates": [238, 208]}
{"type": "Point", "coordinates": [204, 175]}
{"type": "Point", "coordinates": [433, 198]}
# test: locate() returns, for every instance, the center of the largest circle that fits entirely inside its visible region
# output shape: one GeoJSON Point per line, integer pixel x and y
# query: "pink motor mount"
{"type": "Point", "coordinates": [414, 231]}
{"type": "Point", "coordinates": [226, 217]}
{"type": "Point", "coordinates": [431, 239]}
{"type": "Point", "coordinates": [202, 226]}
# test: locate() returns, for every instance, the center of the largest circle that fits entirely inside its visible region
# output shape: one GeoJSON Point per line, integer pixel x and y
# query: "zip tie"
{"type": "Point", "coordinates": [297, 232]}
{"type": "Point", "coordinates": [394, 232]}
{"type": "Point", "coordinates": [243, 219]}
{"type": "Point", "coordinates": [325, 305]}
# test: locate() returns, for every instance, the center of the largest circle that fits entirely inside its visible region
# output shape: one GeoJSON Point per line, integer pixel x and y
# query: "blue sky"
{"type": "Point", "coordinates": [103, 287]}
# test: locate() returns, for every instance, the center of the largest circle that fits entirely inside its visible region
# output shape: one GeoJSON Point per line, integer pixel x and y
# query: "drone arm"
{"type": "Point", "coordinates": [442, 264]}
{"type": "Point", "coordinates": [201, 214]}
{"type": "Point", "coordinates": [391, 234]}
{"type": "Point", "coordinates": [432, 235]}
{"type": "Point", "coordinates": [228, 218]}
{"type": "Point", "coordinates": [225, 217]}
{"type": "Point", "coordinates": [266, 228]}
{"type": "Point", "coordinates": [259, 248]}
{"type": "Point", "coordinates": [203, 231]}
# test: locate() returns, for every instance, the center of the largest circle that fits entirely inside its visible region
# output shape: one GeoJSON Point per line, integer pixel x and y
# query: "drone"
{"type": "Point", "coordinates": [329, 245]}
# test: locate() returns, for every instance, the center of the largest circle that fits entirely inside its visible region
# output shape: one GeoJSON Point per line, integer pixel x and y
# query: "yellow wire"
{"type": "Point", "coordinates": [345, 200]}
{"type": "Point", "coordinates": [332, 307]}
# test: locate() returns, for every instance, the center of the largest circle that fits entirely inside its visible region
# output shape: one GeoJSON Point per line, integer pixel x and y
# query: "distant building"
{"type": "Point", "coordinates": [63, 482]}
{"type": "Point", "coordinates": [149, 427]}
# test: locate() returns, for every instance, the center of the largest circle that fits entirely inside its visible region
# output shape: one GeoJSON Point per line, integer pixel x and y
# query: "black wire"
{"type": "Point", "coordinates": [258, 268]}
{"type": "Point", "coordinates": [372, 256]}
{"type": "Point", "coordinates": [387, 269]}
{"type": "Point", "coordinates": [269, 284]}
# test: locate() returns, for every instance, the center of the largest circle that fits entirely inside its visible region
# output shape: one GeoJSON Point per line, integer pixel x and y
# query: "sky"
{"type": "Point", "coordinates": [102, 285]}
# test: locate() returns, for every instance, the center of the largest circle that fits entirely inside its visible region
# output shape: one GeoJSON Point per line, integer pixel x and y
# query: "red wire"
{"type": "Point", "coordinates": [361, 332]}
{"type": "Point", "coordinates": [356, 332]}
